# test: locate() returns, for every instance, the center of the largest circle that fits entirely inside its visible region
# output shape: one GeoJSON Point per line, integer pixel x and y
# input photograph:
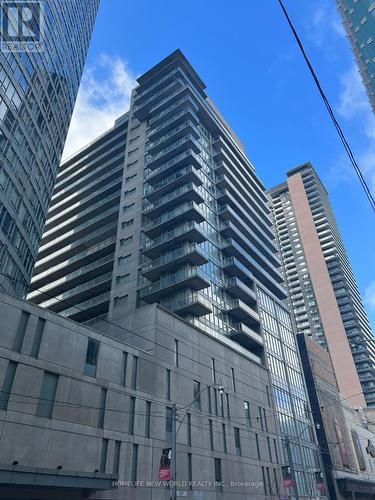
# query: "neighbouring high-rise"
{"type": "Point", "coordinates": [359, 22]}
{"type": "Point", "coordinates": [323, 295]}
{"type": "Point", "coordinates": [193, 234]}
{"type": "Point", "coordinates": [38, 89]}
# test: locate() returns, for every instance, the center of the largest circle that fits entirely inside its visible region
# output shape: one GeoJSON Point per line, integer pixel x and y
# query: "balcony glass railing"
{"type": "Point", "coordinates": [177, 175]}
{"type": "Point", "coordinates": [174, 255]}
{"type": "Point", "coordinates": [171, 120]}
{"type": "Point", "coordinates": [159, 93]}
{"type": "Point", "coordinates": [156, 84]}
{"type": "Point", "coordinates": [171, 235]}
{"type": "Point", "coordinates": [170, 108]}
{"type": "Point", "coordinates": [173, 279]}
{"type": "Point", "coordinates": [173, 132]}
{"type": "Point", "coordinates": [182, 302]}
{"type": "Point", "coordinates": [171, 196]}
{"type": "Point", "coordinates": [173, 161]}
{"type": "Point", "coordinates": [150, 159]}
{"type": "Point", "coordinates": [172, 214]}
{"type": "Point", "coordinates": [170, 96]}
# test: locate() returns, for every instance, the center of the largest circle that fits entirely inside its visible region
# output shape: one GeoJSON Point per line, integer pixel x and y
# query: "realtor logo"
{"type": "Point", "coordinates": [21, 25]}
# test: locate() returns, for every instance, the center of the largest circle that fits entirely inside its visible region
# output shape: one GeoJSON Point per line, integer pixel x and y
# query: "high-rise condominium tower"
{"type": "Point", "coordinates": [323, 294]}
{"type": "Point", "coordinates": [359, 22]}
{"type": "Point", "coordinates": [193, 234]}
{"type": "Point", "coordinates": [37, 94]}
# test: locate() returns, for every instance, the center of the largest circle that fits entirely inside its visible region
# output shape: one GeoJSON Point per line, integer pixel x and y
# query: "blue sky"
{"type": "Point", "coordinates": [245, 53]}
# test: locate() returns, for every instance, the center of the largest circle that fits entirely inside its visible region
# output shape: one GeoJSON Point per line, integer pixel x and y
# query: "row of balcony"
{"type": "Point", "coordinates": [172, 110]}
{"type": "Point", "coordinates": [185, 193]}
{"type": "Point", "coordinates": [141, 109]}
{"type": "Point", "coordinates": [187, 277]}
{"type": "Point", "coordinates": [178, 161]}
{"type": "Point", "coordinates": [144, 91]}
{"type": "Point", "coordinates": [188, 141]}
{"type": "Point", "coordinates": [187, 253]}
{"type": "Point", "coordinates": [188, 231]}
{"type": "Point", "coordinates": [188, 112]}
{"type": "Point", "coordinates": [181, 130]}
{"type": "Point", "coordinates": [183, 176]}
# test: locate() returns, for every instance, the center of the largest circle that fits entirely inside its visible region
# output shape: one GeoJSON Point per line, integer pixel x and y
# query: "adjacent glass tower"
{"type": "Point", "coordinates": [323, 294]}
{"type": "Point", "coordinates": [359, 22]}
{"type": "Point", "coordinates": [37, 95]}
{"type": "Point", "coordinates": [194, 234]}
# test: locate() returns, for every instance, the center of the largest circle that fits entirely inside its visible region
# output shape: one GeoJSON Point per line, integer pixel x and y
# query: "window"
{"type": "Point", "coordinates": [116, 458]}
{"type": "Point", "coordinates": [103, 400]}
{"type": "Point", "coordinates": [127, 208]}
{"type": "Point", "coordinates": [124, 368]}
{"type": "Point", "coordinates": [120, 300]}
{"type": "Point", "coordinates": [21, 330]}
{"type": "Point", "coordinates": [126, 241]}
{"type": "Point", "coordinates": [168, 424]}
{"type": "Point", "coordinates": [224, 439]}
{"type": "Point", "coordinates": [92, 355]}
{"type": "Point", "coordinates": [148, 419]}
{"type": "Point", "coordinates": [130, 177]}
{"type": "Point", "coordinates": [134, 372]}
{"type": "Point", "coordinates": [269, 481]}
{"type": "Point", "coordinates": [127, 223]}
{"type": "Point", "coordinates": [168, 384]}
{"type": "Point", "coordinates": [213, 371]}
{"type": "Point", "coordinates": [47, 395]}
{"type": "Point", "coordinates": [103, 456]}
{"type": "Point", "coordinates": [124, 258]}
{"type": "Point", "coordinates": [228, 405]}
{"type": "Point", "coordinates": [188, 430]}
{"type": "Point", "coordinates": [38, 337]}
{"type": "Point", "coordinates": [275, 448]}
{"type": "Point", "coordinates": [7, 385]}
{"type": "Point", "coordinates": [264, 481]}
{"type": "Point", "coordinates": [209, 399]}
{"type": "Point", "coordinates": [134, 463]}
{"type": "Point", "coordinates": [260, 418]}
{"type": "Point", "coordinates": [257, 446]}
{"type": "Point", "coordinates": [215, 402]}
{"type": "Point", "coordinates": [197, 395]}
{"type": "Point", "coordinates": [211, 434]}
{"type": "Point", "coordinates": [221, 405]}
{"type": "Point", "coordinates": [176, 353]}
{"type": "Point", "coordinates": [247, 412]}
{"type": "Point", "coordinates": [233, 380]}
{"type": "Point", "coordinates": [269, 449]}
{"type": "Point", "coordinates": [131, 415]}
{"type": "Point", "coordinates": [265, 420]}
{"type": "Point", "coordinates": [237, 441]}
{"type": "Point", "coordinates": [129, 192]}
{"type": "Point", "coordinates": [218, 480]}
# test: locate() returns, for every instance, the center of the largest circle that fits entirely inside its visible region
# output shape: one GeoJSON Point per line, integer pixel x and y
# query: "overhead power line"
{"type": "Point", "coordinates": [339, 130]}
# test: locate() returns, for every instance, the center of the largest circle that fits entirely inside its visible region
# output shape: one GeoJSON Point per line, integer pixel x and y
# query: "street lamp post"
{"type": "Point", "coordinates": [176, 429]}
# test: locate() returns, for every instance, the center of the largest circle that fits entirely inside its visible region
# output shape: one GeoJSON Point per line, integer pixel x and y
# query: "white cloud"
{"type": "Point", "coordinates": [354, 107]}
{"type": "Point", "coordinates": [104, 95]}
{"type": "Point", "coordinates": [370, 296]}
{"type": "Point", "coordinates": [324, 27]}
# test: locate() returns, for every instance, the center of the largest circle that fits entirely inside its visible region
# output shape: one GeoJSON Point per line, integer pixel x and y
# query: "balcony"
{"type": "Point", "coordinates": [238, 289]}
{"type": "Point", "coordinates": [243, 312]}
{"type": "Point", "coordinates": [183, 176]}
{"type": "Point", "coordinates": [247, 337]}
{"type": "Point", "coordinates": [185, 128]}
{"type": "Point", "coordinates": [168, 153]}
{"type": "Point", "coordinates": [145, 90]}
{"type": "Point", "coordinates": [234, 267]}
{"type": "Point", "coordinates": [181, 160]}
{"type": "Point", "coordinates": [190, 231]}
{"type": "Point", "coordinates": [173, 110]}
{"type": "Point", "coordinates": [197, 304]}
{"type": "Point", "coordinates": [233, 249]}
{"type": "Point", "coordinates": [141, 109]}
{"type": "Point", "coordinates": [194, 279]}
{"type": "Point", "coordinates": [189, 211]}
{"type": "Point", "coordinates": [188, 253]}
{"type": "Point", "coordinates": [167, 125]}
{"type": "Point", "coordinates": [186, 193]}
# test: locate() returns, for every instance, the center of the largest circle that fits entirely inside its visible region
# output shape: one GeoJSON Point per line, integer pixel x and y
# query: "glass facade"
{"type": "Point", "coordinates": [37, 95]}
{"type": "Point", "coordinates": [293, 412]}
{"type": "Point", "coordinates": [359, 22]}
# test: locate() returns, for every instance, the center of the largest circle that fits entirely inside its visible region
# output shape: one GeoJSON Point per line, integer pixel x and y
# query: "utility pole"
{"type": "Point", "coordinates": [291, 465]}
{"type": "Point", "coordinates": [174, 452]}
